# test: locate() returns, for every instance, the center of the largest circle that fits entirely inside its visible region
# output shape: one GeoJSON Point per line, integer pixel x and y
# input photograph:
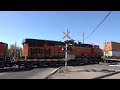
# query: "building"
{"type": "Point", "coordinates": [111, 49]}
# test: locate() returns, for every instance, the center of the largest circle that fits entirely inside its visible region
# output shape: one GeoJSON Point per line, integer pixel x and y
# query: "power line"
{"type": "Point", "coordinates": [99, 24]}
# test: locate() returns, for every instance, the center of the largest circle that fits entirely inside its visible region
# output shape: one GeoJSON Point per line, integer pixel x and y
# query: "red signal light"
{"type": "Point", "coordinates": [62, 49]}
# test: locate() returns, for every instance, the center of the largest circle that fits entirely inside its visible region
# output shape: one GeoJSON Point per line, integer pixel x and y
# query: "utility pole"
{"type": "Point", "coordinates": [66, 54]}
{"type": "Point", "coordinates": [105, 51]}
{"type": "Point", "coordinates": [105, 48]}
{"type": "Point", "coordinates": [83, 37]}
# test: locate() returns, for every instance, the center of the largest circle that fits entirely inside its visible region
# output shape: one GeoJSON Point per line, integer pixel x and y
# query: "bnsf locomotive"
{"type": "Point", "coordinates": [51, 53]}
{"type": "Point", "coordinates": [46, 49]}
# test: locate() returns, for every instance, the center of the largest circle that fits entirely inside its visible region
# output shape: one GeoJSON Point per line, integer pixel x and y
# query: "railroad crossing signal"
{"type": "Point", "coordinates": [67, 35]}
{"type": "Point", "coordinates": [66, 46]}
{"type": "Point", "coordinates": [69, 49]}
{"type": "Point", "coordinates": [62, 49]}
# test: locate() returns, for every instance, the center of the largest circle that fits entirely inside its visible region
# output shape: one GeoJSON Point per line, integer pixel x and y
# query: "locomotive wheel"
{"type": "Point", "coordinates": [2, 65]}
{"type": "Point", "coordinates": [28, 65]}
{"type": "Point", "coordinates": [38, 65]}
{"type": "Point", "coordinates": [10, 65]}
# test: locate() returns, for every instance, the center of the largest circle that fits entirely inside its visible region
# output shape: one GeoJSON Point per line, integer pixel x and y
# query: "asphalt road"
{"type": "Point", "coordinates": [41, 73]}
{"type": "Point", "coordinates": [22, 73]}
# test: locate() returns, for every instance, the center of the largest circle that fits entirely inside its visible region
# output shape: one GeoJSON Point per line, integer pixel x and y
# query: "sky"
{"type": "Point", "coordinates": [15, 26]}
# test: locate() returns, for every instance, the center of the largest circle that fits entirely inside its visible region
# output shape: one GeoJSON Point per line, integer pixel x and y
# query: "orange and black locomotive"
{"type": "Point", "coordinates": [34, 48]}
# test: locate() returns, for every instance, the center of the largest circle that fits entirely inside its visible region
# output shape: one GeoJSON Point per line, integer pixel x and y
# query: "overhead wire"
{"type": "Point", "coordinates": [99, 24]}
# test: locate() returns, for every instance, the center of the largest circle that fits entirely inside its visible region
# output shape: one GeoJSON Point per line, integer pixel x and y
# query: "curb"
{"type": "Point", "coordinates": [53, 72]}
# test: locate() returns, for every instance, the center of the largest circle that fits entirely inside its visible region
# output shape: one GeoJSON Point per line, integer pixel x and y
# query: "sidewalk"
{"type": "Point", "coordinates": [81, 73]}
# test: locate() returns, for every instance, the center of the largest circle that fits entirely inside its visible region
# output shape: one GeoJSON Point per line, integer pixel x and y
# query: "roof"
{"type": "Point", "coordinates": [29, 40]}
{"type": "Point", "coordinates": [41, 41]}
{"type": "Point", "coordinates": [2, 43]}
{"type": "Point", "coordinates": [112, 42]}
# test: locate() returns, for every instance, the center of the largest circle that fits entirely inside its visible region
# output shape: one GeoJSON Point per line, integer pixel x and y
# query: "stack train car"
{"type": "Point", "coordinates": [37, 52]}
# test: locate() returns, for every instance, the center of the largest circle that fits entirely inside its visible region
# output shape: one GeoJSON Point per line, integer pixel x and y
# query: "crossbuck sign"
{"type": "Point", "coordinates": [66, 35]}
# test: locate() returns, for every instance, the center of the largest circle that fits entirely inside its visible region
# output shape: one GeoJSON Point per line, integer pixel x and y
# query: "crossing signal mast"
{"type": "Point", "coordinates": [66, 44]}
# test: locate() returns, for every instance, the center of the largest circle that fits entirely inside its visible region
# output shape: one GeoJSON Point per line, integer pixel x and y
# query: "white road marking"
{"type": "Point", "coordinates": [115, 65]}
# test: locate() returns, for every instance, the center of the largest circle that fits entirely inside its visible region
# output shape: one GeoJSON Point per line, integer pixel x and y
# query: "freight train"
{"type": "Point", "coordinates": [52, 53]}
{"type": "Point", "coordinates": [3, 51]}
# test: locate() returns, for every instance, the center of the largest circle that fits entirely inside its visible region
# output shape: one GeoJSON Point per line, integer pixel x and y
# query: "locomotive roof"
{"type": "Point", "coordinates": [53, 42]}
{"type": "Point", "coordinates": [84, 45]}
{"type": "Point", "coordinates": [2, 43]}
{"type": "Point", "coordinates": [41, 41]}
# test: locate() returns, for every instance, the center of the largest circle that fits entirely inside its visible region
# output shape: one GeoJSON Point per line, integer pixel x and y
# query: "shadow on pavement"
{"type": "Point", "coordinates": [15, 69]}
{"type": "Point", "coordinates": [23, 69]}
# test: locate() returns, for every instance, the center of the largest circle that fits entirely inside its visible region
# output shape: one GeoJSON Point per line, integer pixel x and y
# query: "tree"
{"type": "Point", "coordinates": [14, 50]}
